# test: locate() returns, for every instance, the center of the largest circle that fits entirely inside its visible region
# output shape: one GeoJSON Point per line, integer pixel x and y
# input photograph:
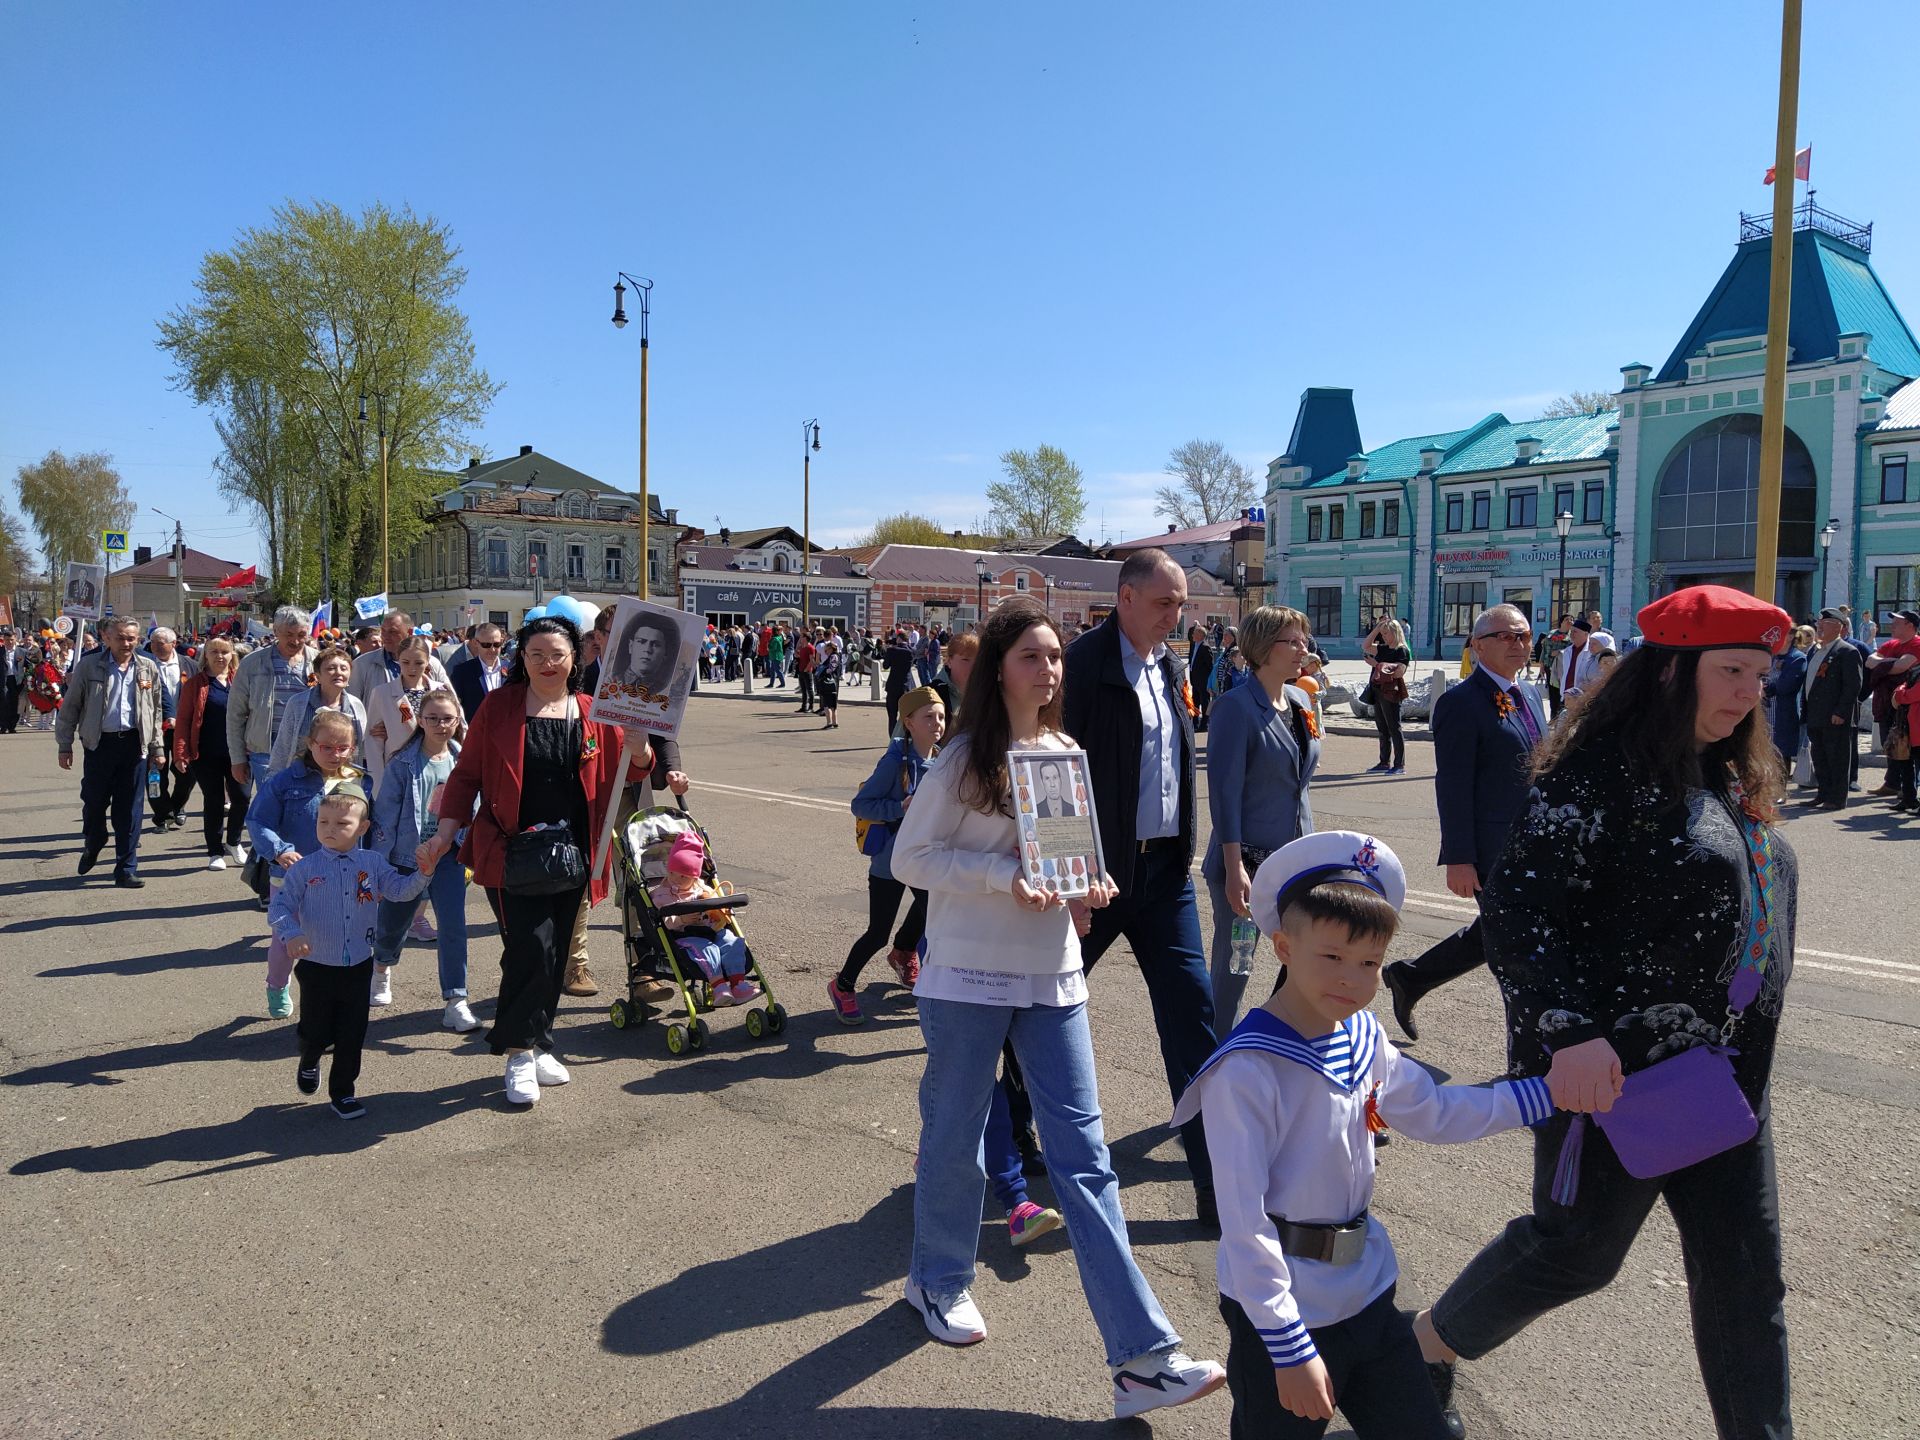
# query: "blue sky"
{"type": "Point", "coordinates": [945, 230]}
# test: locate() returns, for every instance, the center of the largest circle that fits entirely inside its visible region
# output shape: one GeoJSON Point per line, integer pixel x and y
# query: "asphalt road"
{"type": "Point", "coordinates": [714, 1245]}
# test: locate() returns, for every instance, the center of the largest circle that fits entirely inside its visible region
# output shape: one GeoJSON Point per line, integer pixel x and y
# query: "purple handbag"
{"type": "Point", "coordinates": [1688, 1107]}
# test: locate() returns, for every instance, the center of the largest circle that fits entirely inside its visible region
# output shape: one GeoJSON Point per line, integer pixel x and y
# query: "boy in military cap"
{"type": "Point", "coordinates": [1292, 1100]}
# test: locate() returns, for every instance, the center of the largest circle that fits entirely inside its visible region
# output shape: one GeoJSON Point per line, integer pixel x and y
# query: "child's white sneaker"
{"type": "Point", "coordinates": [1161, 1379]}
{"type": "Point", "coordinates": [549, 1071]}
{"type": "Point", "coordinates": [459, 1017]}
{"type": "Point", "coordinates": [382, 989]}
{"type": "Point", "coordinates": [523, 1088]}
{"type": "Point", "coordinates": [723, 994]}
{"type": "Point", "coordinates": [956, 1323]}
{"type": "Point", "coordinates": [745, 991]}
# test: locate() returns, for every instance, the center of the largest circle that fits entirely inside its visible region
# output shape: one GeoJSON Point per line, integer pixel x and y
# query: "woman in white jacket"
{"type": "Point", "coordinates": [1003, 963]}
{"type": "Point", "coordinates": [393, 709]}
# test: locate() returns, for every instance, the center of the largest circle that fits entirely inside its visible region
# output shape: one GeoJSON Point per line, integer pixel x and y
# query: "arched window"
{"type": "Point", "coordinates": [781, 563]}
{"type": "Point", "coordinates": [576, 505]}
{"type": "Point", "coordinates": [1708, 505]}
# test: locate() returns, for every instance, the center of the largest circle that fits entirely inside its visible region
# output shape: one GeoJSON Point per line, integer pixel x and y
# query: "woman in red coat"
{"type": "Point", "coordinates": [533, 756]}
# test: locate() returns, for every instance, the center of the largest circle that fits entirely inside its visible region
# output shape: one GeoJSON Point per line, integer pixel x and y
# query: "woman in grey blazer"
{"type": "Point", "coordinates": [1263, 745]}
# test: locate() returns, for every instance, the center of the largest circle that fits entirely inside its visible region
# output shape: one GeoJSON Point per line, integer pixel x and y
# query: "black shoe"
{"type": "Point", "coordinates": [89, 857]}
{"type": "Point", "coordinates": [307, 1077]}
{"type": "Point", "coordinates": [1830, 805]}
{"type": "Point", "coordinates": [1400, 986]}
{"type": "Point", "coordinates": [1440, 1374]}
{"type": "Point", "coordinates": [128, 882]}
{"type": "Point", "coordinates": [348, 1108]}
{"type": "Point", "coordinates": [1206, 1211]}
{"type": "Point", "coordinates": [1031, 1165]}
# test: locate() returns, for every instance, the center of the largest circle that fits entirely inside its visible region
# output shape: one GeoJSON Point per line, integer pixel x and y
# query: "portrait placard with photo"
{"type": "Point", "coordinates": [1053, 809]}
{"type": "Point", "coordinates": [646, 671]}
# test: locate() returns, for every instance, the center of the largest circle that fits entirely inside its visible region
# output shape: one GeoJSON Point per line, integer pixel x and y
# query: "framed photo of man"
{"type": "Point", "coordinates": [85, 591]}
{"type": "Point", "coordinates": [646, 671]}
{"type": "Point", "coordinates": [1053, 810]}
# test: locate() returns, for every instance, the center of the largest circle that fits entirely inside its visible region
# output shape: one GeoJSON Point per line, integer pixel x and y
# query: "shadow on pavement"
{"type": "Point", "coordinates": [731, 1056]}
{"type": "Point", "coordinates": [251, 950]}
{"type": "Point", "coordinates": [268, 1134]}
{"type": "Point", "coordinates": [143, 910]}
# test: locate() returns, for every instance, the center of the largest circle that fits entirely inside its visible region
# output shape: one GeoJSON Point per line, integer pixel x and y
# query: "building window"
{"type": "Point", "coordinates": [1895, 587]}
{"type": "Point", "coordinates": [1483, 510]}
{"type": "Point", "coordinates": [1368, 515]}
{"type": "Point", "coordinates": [576, 504]}
{"type": "Point", "coordinates": [1593, 503]}
{"type": "Point", "coordinates": [497, 617]}
{"type": "Point", "coordinates": [1378, 602]}
{"type": "Point", "coordinates": [1523, 509]}
{"type": "Point", "coordinates": [1708, 503]}
{"type": "Point", "coordinates": [908, 612]}
{"type": "Point", "coordinates": [653, 569]}
{"type": "Point", "coordinates": [1893, 481]}
{"type": "Point", "coordinates": [576, 562]}
{"type": "Point", "coordinates": [616, 565]}
{"type": "Point", "coordinates": [1578, 595]}
{"type": "Point", "coordinates": [496, 556]}
{"type": "Point", "coordinates": [1562, 500]}
{"type": "Point", "coordinates": [1464, 600]}
{"type": "Point", "coordinates": [1456, 512]}
{"type": "Point", "coordinates": [1020, 582]}
{"type": "Point", "coordinates": [1390, 517]}
{"type": "Point", "coordinates": [1336, 522]}
{"type": "Point", "coordinates": [1323, 610]}
{"type": "Point", "coordinates": [537, 559]}
{"type": "Point", "coordinates": [1313, 523]}
{"type": "Point", "coordinates": [1521, 600]}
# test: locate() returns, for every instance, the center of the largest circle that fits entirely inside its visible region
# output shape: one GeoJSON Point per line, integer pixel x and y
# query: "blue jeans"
{"type": "Point", "coordinates": [113, 782]}
{"type": "Point", "coordinates": [257, 771]}
{"type": "Point", "coordinates": [448, 893]}
{"type": "Point", "coordinates": [1160, 919]}
{"type": "Point", "coordinates": [956, 1092]}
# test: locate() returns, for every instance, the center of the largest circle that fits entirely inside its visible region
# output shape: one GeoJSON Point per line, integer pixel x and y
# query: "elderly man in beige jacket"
{"type": "Point", "coordinates": [113, 705]}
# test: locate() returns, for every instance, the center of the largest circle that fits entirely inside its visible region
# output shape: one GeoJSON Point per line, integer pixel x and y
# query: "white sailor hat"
{"type": "Point", "coordinates": [1345, 856]}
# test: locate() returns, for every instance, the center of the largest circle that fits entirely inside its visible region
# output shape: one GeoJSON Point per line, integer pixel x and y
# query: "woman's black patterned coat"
{"type": "Point", "coordinates": [1617, 911]}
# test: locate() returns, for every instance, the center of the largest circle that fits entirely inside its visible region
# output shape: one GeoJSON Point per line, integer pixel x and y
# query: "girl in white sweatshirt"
{"type": "Point", "coordinates": [1003, 963]}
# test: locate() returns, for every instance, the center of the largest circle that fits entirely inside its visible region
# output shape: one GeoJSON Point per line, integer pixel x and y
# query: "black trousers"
{"type": "Point", "coordinates": [536, 933]}
{"type": "Point", "coordinates": [893, 708]}
{"type": "Point", "coordinates": [176, 788]}
{"type": "Point", "coordinates": [1373, 1364]}
{"type": "Point", "coordinates": [333, 1011]}
{"type": "Point", "coordinates": [1554, 704]}
{"type": "Point", "coordinates": [223, 802]}
{"type": "Point", "coordinates": [883, 903]}
{"type": "Point", "coordinates": [113, 784]}
{"type": "Point", "coordinates": [1833, 753]}
{"type": "Point", "coordinates": [1465, 949]}
{"type": "Point", "coordinates": [9, 705]}
{"type": "Point", "coordinates": [1727, 1209]}
{"type": "Point", "coordinates": [806, 689]}
{"type": "Point", "coordinates": [1393, 744]}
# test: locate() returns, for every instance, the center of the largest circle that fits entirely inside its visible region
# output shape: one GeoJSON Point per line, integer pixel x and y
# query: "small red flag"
{"type": "Point", "coordinates": [248, 576]}
{"type": "Point", "coordinates": [1802, 166]}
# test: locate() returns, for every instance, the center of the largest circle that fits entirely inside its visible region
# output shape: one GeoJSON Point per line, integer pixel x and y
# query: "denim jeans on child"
{"type": "Point", "coordinates": [447, 891]}
{"type": "Point", "coordinates": [956, 1092]}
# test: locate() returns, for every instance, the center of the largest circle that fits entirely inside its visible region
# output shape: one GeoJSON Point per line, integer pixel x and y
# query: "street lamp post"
{"type": "Point", "coordinates": [1049, 598]}
{"type": "Point", "coordinates": [1827, 533]}
{"type": "Point", "coordinates": [1562, 524]}
{"type": "Point", "coordinates": [1240, 587]}
{"type": "Point", "coordinates": [809, 446]}
{"type": "Point", "coordinates": [1439, 608]}
{"type": "Point", "coordinates": [980, 573]}
{"type": "Point", "coordinates": [642, 294]}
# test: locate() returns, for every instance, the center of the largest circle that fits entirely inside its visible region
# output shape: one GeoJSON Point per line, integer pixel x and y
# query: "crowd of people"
{"type": "Point", "coordinates": [1638, 782]}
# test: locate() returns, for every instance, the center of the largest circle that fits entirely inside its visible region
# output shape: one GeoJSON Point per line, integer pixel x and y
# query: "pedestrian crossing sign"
{"type": "Point", "coordinates": [114, 542]}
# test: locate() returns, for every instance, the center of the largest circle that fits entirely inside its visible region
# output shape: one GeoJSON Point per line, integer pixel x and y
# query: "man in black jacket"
{"type": "Point", "coordinates": [1126, 703]}
{"type": "Point", "coordinates": [1834, 675]}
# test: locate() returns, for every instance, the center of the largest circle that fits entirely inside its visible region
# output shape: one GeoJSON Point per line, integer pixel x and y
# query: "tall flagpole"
{"type": "Point", "coordinates": [1773, 402]}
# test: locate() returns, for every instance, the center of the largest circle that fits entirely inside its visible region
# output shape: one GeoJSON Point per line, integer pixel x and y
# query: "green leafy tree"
{"type": "Point", "coordinates": [1043, 494]}
{"type": "Point", "coordinates": [16, 560]}
{"type": "Point", "coordinates": [907, 528]}
{"type": "Point", "coordinates": [287, 333]}
{"type": "Point", "coordinates": [1209, 485]}
{"type": "Point", "coordinates": [69, 500]}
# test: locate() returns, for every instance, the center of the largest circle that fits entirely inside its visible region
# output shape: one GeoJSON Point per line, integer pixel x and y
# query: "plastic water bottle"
{"type": "Point", "coordinates": [153, 782]}
{"type": "Point", "coordinates": [1246, 935]}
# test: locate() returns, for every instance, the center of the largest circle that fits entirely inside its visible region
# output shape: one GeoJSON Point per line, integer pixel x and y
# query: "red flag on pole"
{"type": "Point", "coordinates": [1802, 166]}
{"type": "Point", "coordinates": [248, 576]}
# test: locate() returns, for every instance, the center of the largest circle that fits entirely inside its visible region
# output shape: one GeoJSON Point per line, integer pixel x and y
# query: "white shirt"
{"type": "Point", "coordinates": [490, 677]}
{"type": "Point", "coordinates": [1287, 1130]}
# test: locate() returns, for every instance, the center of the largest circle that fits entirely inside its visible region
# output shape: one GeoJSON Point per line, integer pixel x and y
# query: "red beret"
{"type": "Point", "coordinates": [1715, 617]}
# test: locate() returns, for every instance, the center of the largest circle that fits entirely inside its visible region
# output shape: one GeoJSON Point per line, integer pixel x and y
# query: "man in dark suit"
{"type": "Point", "coordinates": [1484, 731]}
{"type": "Point", "coordinates": [1126, 703]}
{"type": "Point", "coordinates": [1834, 677]}
{"type": "Point", "coordinates": [16, 662]}
{"type": "Point", "coordinates": [480, 674]}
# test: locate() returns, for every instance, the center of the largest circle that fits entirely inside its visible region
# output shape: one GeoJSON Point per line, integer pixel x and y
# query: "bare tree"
{"type": "Point", "coordinates": [1211, 485]}
{"type": "Point", "coordinates": [1042, 494]}
{"type": "Point", "coordinates": [1578, 402]}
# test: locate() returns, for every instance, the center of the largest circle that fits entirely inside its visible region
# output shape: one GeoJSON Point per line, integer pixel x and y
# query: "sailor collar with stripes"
{"type": "Point", "coordinates": [1287, 1127]}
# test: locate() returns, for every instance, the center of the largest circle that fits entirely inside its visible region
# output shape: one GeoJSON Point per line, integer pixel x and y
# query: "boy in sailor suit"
{"type": "Point", "coordinates": [1306, 1275]}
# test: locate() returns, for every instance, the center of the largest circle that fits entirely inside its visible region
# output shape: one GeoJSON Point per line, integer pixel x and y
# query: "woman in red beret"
{"type": "Point", "coordinates": [1640, 923]}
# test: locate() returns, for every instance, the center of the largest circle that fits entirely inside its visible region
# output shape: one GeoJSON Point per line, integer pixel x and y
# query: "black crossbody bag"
{"type": "Point", "coordinates": [547, 860]}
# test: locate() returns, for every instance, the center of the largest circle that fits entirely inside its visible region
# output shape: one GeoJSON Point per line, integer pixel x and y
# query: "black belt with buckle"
{"type": "Point", "coordinates": [1329, 1244]}
{"type": "Point", "coordinates": [1159, 843]}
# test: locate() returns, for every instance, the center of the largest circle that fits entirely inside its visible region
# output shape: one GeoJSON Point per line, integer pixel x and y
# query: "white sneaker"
{"type": "Point", "coordinates": [522, 1087]}
{"type": "Point", "coordinates": [218, 862]}
{"type": "Point", "coordinates": [382, 988]}
{"type": "Point", "coordinates": [549, 1071]}
{"type": "Point", "coordinates": [459, 1017]}
{"type": "Point", "coordinates": [1158, 1380]}
{"type": "Point", "coordinates": [956, 1323]}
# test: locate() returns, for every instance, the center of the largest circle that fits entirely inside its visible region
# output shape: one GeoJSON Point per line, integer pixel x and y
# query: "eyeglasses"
{"type": "Point", "coordinates": [489, 644]}
{"type": "Point", "coordinates": [1512, 637]}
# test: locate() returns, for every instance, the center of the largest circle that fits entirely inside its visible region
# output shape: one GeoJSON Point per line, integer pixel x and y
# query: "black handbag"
{"type": "Point", "coordinates": [544, 861]}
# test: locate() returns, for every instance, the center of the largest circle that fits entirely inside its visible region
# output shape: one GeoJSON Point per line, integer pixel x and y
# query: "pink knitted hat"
{"type": "Point", "coordinates": [687, 856]}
